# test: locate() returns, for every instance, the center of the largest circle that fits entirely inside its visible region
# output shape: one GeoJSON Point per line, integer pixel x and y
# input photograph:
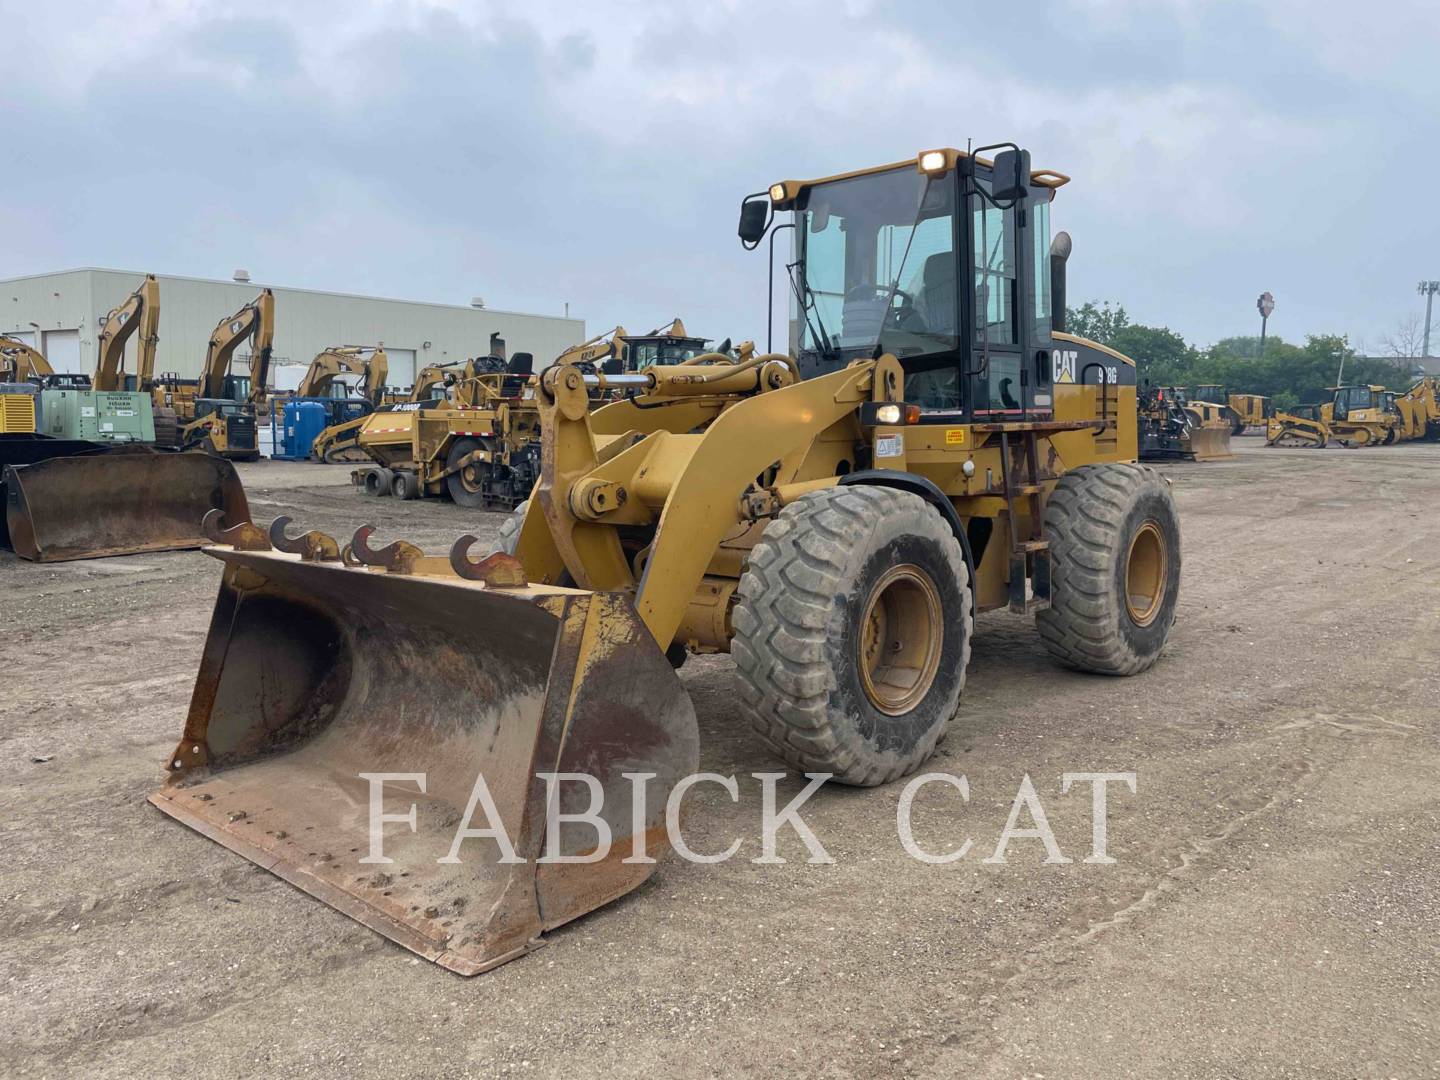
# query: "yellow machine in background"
{"type": "Point", "coordinates": [87, 494]}
{"type": "Point", "coordinates": [1300, 426]}
{"type": "Point", "coordinates": [1174, 427]}
{"type": "Point", "coordinates": [21, 368]}
{"type": "Point", "coordinates": [368, 363]}
{"type": "Point", "coordinates": [933, 445]}
{"type": "Point", "coordinates": [1251, 411]}
{"type": "Point", "coordinates": [218, 412]}
{"type": "Point", "coordinates": [481, 448]}
{"type": "Point", "coordinates": [340, 442]}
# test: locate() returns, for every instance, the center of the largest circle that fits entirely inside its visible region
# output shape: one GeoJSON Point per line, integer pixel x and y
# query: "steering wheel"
{"type": "Point", "coordinates": [880, 292]}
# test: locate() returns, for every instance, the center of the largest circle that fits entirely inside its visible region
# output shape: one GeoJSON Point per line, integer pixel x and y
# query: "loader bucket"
{"type": "Point", "coordinates": [119, 501]}
{"type": "Point", "coordinates": [319, 674]}
{"type": "Point", "coordinates": [1211, 442]}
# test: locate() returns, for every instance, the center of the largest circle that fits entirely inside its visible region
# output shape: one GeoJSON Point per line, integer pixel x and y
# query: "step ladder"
{"type": "Point", "coordinates": [1030, 552]}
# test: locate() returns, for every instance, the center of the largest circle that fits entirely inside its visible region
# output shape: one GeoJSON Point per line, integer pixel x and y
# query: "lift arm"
{"type": "Point", "coordinates": [139, 314]}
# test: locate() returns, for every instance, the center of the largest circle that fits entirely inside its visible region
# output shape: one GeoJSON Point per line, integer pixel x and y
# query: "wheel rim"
{"type": "Point", "coordinates": [901, 633]}
{"type": "Point", "coordinates": [470, 478]}
{"type": "Point", "coordinates": [1145, 574]}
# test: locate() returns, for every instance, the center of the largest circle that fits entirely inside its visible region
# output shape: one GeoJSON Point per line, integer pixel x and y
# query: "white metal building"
{"type": "Point", "coordinates": [60, 314]}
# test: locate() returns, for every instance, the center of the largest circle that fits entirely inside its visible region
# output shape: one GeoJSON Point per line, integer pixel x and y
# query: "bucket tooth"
{"type": "Point", "coordinates": [498, 570]}
{"type": "Point", "coordinates": [244, 536]}
{"type": "Point", "coordinates": [313, 546]}
{"type": "Point", "coordinates": [399, 557]}
{"type": "Point", "coordinates": [316, 678]}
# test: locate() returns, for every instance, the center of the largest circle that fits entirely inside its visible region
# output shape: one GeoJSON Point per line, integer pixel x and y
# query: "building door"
{"type": "Point", "coordinates": [402, 366]}
{"type": "Point", "coordinates": [27, 336]}
{"type": "Point", "coordinates": [62, 349]}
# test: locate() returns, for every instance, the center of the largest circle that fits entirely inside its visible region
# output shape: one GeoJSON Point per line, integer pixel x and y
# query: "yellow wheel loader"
{"type": "Point", "coordinates": [85, 494]}
{"type": "Point", "coordinates": [932, 446]}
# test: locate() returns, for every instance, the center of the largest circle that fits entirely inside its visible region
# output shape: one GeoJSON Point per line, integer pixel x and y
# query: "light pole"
{"type": "Point", "coordinates": [1428, 289]}
{"type": "Point", "coordinates": [1265, 305]}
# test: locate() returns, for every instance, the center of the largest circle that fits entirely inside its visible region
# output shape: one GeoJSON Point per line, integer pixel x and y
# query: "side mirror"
{"type": "Point", "coordinates": [754, 220]}
{"type": "Point", "coordinates": [1012, 175]}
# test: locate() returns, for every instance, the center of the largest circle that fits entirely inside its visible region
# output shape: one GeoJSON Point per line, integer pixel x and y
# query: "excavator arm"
{"type": "Point", "coordinates": [255, 322]}
{"type": "Point", "coordinates": [20, 363]}
{"type": "Point", "coordinates": [328, 366]}
{"type": "Point", "coordinates": [140, 314]}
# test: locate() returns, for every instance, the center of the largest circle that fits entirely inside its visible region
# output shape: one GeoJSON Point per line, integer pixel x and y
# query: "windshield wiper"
{"type": "Point", "coordinates": [805, 297]}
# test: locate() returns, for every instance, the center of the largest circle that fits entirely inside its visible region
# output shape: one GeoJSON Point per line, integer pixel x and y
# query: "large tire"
{"type": "Point", "coordinates": [1115, 568]}
{"type": "Point", "coordinates": [405, 485]}
{"type": "Point", "coordinates": [827, 592]}
{"type": "Point", "coordinates": [465, 487]}
{"type": "Point", "coordinates": [510, 528]}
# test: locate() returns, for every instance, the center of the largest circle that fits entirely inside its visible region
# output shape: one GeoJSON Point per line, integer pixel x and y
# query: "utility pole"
{"type": "Point", "coordinates": [1428, 289]}
{"type": "Point", "coordinates": [1265, 305]}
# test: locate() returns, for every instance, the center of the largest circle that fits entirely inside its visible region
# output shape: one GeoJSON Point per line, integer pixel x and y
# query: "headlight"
{"type": "Point", "coordinates": [888, 414]}
{"type": "Point", "coordinates": [777, 193]}
{"type": "Point", "coordinates": [932, 161]}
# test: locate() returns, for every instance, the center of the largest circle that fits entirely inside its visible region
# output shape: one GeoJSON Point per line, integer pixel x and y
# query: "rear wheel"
{"type": "Point", "coordinates": [1115, 568]}
{"type": "Point", "coordinates": [405, 485]}
{"type": "Point", "coordinates": [466, 485]}
{"type": "Point", "coordinates": [852, 633]}
{"type": "Point", "coordinates": [379, 482]}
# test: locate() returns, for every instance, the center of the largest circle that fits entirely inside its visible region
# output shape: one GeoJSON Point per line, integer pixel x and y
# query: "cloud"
{"type": "Point", "coordinates": [545, 153]}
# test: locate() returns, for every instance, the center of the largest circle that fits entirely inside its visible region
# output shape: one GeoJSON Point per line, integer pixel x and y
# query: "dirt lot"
{"type": "Point", "coordinates": [1274, 909]}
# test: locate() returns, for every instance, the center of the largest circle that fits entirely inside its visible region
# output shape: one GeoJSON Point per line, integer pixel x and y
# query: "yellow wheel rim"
{"type": "Point", "coordinates": [1145, 574]}
{"type": "Point", "coordinates": [901, 632]}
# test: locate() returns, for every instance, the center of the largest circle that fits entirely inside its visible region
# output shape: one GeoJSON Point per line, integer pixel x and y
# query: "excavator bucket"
{"type": "Point", "coordinates": [85, 501]}
{"type": "Point", "coordinates": [354, 710]}
{"type": "Point", "coordinates": [1210, 441]}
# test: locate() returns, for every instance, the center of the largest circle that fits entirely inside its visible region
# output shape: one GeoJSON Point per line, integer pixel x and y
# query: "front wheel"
{"type": "Point", "coordinates": [1114, 568]}
{"type": "Point", "coordinates": [852, 633]}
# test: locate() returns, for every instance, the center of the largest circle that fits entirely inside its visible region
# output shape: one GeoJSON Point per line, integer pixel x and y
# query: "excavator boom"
{"type": "Point", "coordinates": [139, 315]}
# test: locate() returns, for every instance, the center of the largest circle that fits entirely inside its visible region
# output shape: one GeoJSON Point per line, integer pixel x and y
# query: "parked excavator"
{"type": "Point", "coordinates": [79, 493]}
{"type": "Point", "coordinates": [933, 445]}
{"type": "Point", "coordinates": [218, 413]}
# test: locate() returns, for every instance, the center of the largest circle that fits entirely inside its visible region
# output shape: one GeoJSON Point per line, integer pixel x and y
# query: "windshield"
{"type": "Point", "coordinates": [647, 353]}
{"type": "Point", "coordinates": [1353, 397]}
{"type": "Point", "coordinates": [876, 264]}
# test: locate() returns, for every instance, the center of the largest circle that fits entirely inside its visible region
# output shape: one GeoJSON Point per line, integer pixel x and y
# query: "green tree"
{"type": "Point", "coordinates": [1162, 357]}
{"type": "Point", "coordinates": [1097, 322]}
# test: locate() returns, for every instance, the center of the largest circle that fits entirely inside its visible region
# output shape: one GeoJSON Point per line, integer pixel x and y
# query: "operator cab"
{"type": "Point", "coordinates": [943, 261]}
{"type": "Point", "coordinates": [1349, 399]}
{"type": "Point", "coordinates": [646, 351]}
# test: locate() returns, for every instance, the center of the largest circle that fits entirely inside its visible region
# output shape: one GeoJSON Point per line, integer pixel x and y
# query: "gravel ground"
{"type": "Point", "coordinates": [1273, 910]}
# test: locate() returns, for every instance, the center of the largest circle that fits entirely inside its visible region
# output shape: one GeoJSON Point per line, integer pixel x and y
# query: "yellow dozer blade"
{"type": "Point", "coordinates": [322, 670]}
{"type": "Point", "coordinates": [1210, 441]}
{"type": "Point", "coordinates": [119, 501]}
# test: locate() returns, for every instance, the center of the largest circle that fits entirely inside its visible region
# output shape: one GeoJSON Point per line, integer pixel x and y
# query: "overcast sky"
{"type": "Point", "coordinates": [543, 153]}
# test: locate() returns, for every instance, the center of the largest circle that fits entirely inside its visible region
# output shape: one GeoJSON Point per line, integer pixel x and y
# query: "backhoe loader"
{"type": "Point", "coordinates": [218, 413]}
{"type": "Point", "coordinates": [933, 445]}
{"type": "Point", "coordinates": [78, 493]}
